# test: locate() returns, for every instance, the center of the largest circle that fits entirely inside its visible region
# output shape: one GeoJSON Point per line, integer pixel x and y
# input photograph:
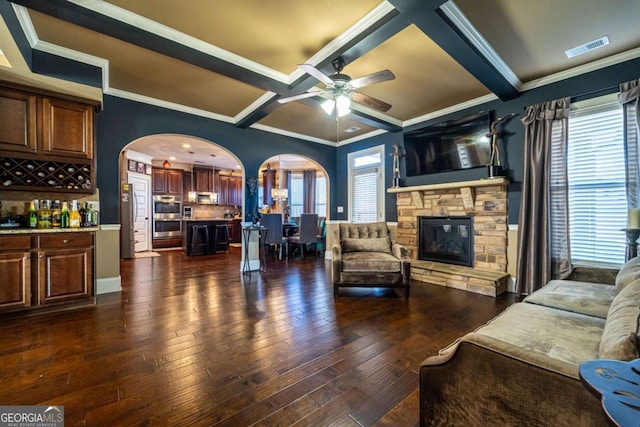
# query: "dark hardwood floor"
{"type": "Point", "coordinates": [190, 342]}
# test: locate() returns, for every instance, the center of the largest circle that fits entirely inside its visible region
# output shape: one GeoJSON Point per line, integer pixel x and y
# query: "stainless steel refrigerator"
{"type": "Point", "coordinates": [127, 221]}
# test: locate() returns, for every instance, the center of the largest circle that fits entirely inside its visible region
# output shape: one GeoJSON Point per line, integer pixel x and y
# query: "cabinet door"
{"type": "Point", "coordinates": [186, 185]}
{"type": "Point", "coordinates": [17, 121]}
{"type": "Point", "coordinates": [223, 190]}
{"type": "Point", "coordinates": [202, 180]}
{"type": "Point", "coordinates": [174, 182]}
{"type": "Point", "coordinates": [64, 274]}
{"type": "Point", "coordinates": [235, 191]}
{"type": "Point", "coordinates": [67, 128]}
{"type": "Point", "coordinates": [159, 181]}
{"type": "Point", "coordinates": [15, 287]}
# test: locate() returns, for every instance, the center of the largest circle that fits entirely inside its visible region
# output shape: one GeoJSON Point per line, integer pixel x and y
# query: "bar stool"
{"type": "Point", "coordinates": [222, 238]}
{"type": "Point", "coordinates": [199, 240]}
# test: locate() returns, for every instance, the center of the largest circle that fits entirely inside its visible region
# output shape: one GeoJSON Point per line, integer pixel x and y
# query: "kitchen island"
{"type": "Point", "coordinates": [210, 223]}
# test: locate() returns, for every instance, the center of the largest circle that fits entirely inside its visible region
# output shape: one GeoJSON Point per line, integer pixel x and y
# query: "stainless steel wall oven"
{"type": "Point", "coordinates": [167, 213]}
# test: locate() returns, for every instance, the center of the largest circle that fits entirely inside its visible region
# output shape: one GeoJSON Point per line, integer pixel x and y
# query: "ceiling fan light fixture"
{"type": "Point", "coordinates": [343, 105]}
{"type": "Point", "coordinates": [328, 106]}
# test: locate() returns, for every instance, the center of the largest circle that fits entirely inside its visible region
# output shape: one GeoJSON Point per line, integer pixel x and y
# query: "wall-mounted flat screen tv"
{"type": "Point", "coordinates": [452, 145]}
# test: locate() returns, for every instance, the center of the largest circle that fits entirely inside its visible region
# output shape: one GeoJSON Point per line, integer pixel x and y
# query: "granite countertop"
{"type": "Point", "coordinates": [6, 230]}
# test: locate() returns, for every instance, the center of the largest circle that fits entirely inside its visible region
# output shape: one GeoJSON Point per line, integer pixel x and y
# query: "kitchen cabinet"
{"type": "Point", "coordinates": [15, 270]}
{"type": "Point", "coordinates": [203, 180]}
{"type": "Point", "coordinates": [18, 121]}
{"type": "Point", "coordinates": [235, 191]}
{"type": "Point", "coordinates": [186, 185]}
{"type": "Point", "coordinates": [166, 181]}
{"type": "Point", "coordinates": [67, 128]}
{"type": "Point", "coordinates": [235, 231]}
{"type": "Point", "coordinates": [46, 269]}
{"type": "Point", "coordinates": [223, 190]}
{"type": "Point", "coordinates": [46, 140]}
{"type": "Point", "coordinates": [65, 267]}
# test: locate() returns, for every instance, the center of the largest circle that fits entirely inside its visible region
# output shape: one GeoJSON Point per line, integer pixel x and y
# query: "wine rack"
{"type": "Point", "coordinates": [45, 175]}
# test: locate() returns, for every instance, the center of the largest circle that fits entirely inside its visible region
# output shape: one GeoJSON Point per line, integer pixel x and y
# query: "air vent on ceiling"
{"type": "Point", "coordinates": [587, 47]}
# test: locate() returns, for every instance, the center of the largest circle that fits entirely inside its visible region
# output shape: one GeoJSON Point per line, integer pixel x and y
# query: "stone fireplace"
{"type": "Point", "coordinates": [484, 203]}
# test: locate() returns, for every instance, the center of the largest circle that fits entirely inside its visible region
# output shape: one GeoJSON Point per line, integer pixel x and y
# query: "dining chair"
{"type": "Point", "coordinates": [273, 223]}
{"type": "Point", "coordinates": [308, 233]}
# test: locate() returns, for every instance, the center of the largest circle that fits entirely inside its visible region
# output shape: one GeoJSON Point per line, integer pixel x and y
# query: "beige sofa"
{"type": "Point", "coordinates": [521, 368]}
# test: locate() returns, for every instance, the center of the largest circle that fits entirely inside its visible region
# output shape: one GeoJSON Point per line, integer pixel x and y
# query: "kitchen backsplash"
{"type": "Point", "coordinates": [211, 211]}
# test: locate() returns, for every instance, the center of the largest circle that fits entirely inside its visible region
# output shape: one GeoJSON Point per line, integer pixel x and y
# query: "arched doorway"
{"type": "Point", "coordinates": [167, 176]}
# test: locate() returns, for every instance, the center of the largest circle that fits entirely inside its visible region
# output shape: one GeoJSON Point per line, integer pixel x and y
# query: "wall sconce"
{"type": "Point", "coordinates": [166, 164]}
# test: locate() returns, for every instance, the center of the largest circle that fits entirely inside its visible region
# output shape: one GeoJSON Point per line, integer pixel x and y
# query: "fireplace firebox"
{"type": "Point", "coordinates": [446, 239]}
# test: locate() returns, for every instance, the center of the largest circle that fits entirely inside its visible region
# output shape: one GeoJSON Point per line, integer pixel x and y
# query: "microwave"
{"type": "Point", "coordinates": [207, 198]}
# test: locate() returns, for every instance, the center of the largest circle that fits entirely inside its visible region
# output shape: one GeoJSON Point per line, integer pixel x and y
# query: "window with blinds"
{"type": "Point", "coordinates": [321, 195]}
{"type": "Point", "coordinates": [366, 185]}
{"type": "Point", "coordinates": [596, 185]}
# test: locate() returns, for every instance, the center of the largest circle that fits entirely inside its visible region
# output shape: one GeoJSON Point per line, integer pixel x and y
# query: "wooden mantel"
{"type": "Point", "coordinates": [466, 189]}
{"type": "Point", "coordinates": [486, 182]}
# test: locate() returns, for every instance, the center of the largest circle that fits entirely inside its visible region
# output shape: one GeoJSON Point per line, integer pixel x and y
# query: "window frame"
{"type": "Point", "coordinates": [353, 171]}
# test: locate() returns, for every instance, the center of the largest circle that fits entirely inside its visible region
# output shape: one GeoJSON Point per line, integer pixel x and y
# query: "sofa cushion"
{"type": "Point", "coordinates": [370, 262]}
{"type": "Point", "coordinates": [592, 299]}
{"type": "Point", "coordinates": [376, 244]}
{"type": "Point", "coordinates": [620, 336]}
{"type": "Point", "coordinates": [552, 339]}
{"type": "Point", "coordinates": [629, 272]}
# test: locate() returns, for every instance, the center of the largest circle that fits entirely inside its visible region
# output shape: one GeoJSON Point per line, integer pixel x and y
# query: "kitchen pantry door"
{"type": "Point", "coordinates": [141, 185]}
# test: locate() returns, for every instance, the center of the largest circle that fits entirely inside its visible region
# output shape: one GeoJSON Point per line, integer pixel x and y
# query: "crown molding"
{"type": "Point", "coordinates": [458, 107]}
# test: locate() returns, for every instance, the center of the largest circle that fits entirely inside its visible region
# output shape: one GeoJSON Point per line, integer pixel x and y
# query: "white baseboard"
{"type": "Point", "coordinates": [108, 285]}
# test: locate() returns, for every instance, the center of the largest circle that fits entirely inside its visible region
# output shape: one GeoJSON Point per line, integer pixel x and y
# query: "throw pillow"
{"type": "Point", "coordinates": [629, 272]}
{"type": "Point", "coordinates": [378, 244]}
{"type": "Point", "coordinates": [620, 339]}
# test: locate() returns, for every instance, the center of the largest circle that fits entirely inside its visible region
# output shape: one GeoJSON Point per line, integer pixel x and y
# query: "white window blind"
{"type": "Point", "coordinates": [296, 203]}
{"type": "Point", "coordinates": [365, 195]}
{"type": "Point", "coordinates": [596, 176]}
{"type": "Point", "coordinates": [321, 195]}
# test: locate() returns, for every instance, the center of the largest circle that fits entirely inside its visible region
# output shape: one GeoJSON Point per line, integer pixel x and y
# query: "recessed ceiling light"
{"type": "Point", "coordinates": [237, 166]}
{"type": "Point", "coordinates": [352, 129]}
{"type": "Point", "coordinates": [186, 145]}
{"type": "Point", "coordinates": [172, 157]}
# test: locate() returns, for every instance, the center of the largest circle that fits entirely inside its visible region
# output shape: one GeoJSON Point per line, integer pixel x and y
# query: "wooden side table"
{"type": "Point", "coordinates": [617, 384]}
{"type": "Point", "coordinates": [632, 242]}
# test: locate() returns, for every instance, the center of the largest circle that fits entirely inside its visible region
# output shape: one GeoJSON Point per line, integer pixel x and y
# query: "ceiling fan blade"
{"type": "Point", "coordinates": [371, 102]}
{"type": "Point", "coordinates": [314, 72]}
{"type": "Point", "coordinates": [379, 77]}
{"type": "Point", "coordinates": [297, 97]}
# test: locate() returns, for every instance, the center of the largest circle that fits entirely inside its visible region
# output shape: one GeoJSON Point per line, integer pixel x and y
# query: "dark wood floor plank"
{"type": "Point", "coordinates": [191, 341]}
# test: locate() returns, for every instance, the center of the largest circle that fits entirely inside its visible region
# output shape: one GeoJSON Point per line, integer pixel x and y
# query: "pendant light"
{"type": "Point", "coordinates": [214, 196]}
{"type": "Point", "coordinates": [192, 196]}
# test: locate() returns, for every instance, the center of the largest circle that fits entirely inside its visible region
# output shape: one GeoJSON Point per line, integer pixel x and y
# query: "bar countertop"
{"type": "Point", "coordinates": [8, 230]}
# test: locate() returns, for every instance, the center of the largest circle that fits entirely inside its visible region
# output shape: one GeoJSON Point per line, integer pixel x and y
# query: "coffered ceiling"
{"type": "Point", "coordinates": [232, 60]}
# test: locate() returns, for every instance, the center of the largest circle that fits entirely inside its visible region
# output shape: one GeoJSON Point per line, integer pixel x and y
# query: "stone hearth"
{"type": "Point", "coordinates": [486, 201]}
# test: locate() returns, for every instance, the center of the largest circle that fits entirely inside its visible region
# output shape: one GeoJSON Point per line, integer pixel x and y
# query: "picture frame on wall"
{"type": "Point", "coordinates": [132, 165]}
{"type": "Point", "coordinates": [141, 167]}
{"type": "Point", "coordinates": [148, 169]}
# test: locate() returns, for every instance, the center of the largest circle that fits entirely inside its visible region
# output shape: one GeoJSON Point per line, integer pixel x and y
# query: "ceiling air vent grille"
{"type": "Point", "coordinates": [587, 47]}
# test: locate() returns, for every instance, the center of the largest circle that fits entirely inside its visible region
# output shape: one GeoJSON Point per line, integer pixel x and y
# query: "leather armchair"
{"type": "Point", "coordinates": [367, 255]}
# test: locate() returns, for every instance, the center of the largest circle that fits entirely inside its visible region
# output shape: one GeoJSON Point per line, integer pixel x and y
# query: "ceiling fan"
{"type": "Point", "coordinates": [340, 89]}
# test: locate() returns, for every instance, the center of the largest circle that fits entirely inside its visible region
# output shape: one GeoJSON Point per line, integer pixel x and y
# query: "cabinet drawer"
{"type": "Point", "coordinates": [65, 240]}
{"type": "Point", "coordinates": [9, 243]}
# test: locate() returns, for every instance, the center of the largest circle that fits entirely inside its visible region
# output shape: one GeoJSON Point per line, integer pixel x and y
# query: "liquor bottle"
{"type": "Point", "coordinates": [64, 215]}
{"type": "Point", "coordinates": [55, 215]}
{"type": "Point", "coordinates": [74, 215]}
{"type": "Point", "coordinates": [33, 215]}
{"type": "Point", "coordinates": [44, 214]}
{"type": "Point", "coordinates": [85, 216]}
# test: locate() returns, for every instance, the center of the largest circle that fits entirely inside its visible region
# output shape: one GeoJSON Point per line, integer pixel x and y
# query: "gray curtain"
{"type": "Point", "coordinates": [629, 98]}
{"type": "Point", "coordinates": [309, 185]}
{"type": "Point", "coordinates": [543, 225]}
